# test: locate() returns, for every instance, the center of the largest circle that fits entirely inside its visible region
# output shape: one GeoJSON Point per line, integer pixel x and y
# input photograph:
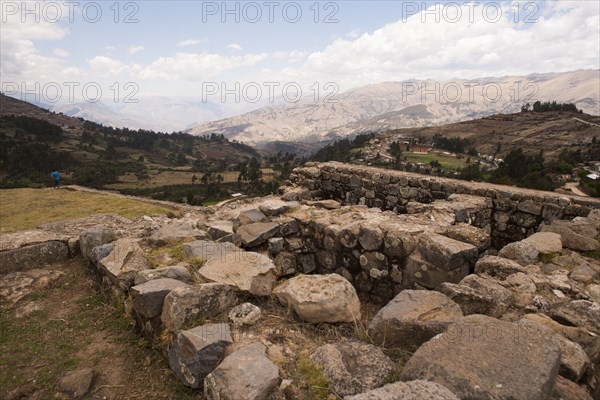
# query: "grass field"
{"type": "Point", "coordinates": [447, 162]}
{"type": "Point", "coordinates": [22, 209]}
{"type": "Point", "coordinates": [174, 177]}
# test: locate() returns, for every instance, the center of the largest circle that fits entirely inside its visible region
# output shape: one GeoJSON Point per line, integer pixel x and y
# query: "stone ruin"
{"type": "Point", "coordinates": [460, 273]}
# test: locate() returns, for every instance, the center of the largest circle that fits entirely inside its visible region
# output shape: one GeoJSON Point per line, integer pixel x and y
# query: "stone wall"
{"type": "Point", "coordinates": [513, 214]}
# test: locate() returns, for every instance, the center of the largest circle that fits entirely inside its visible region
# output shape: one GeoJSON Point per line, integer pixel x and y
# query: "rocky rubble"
{"type": "Point", "coordinates": [406, 263]}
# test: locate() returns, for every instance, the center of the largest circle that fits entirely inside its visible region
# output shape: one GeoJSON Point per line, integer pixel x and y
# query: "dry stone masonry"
{"type": "Point", "coordinates": [510, 214]}
{"type": "Point", "coordinates": [490, 290]}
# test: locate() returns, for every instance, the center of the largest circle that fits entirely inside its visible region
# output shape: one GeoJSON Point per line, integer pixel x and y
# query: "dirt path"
{"type": "Point", "coordinates": [75, 328]}
{"type": "Point", "coordinates": [574, 187]}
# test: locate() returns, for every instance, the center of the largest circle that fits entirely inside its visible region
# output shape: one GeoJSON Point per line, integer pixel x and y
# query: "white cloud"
{"type": "Point", "coordinates": [566, 37]}
{"type": "Point", "coordinates": [197, 66]}
{"type": "Point", "coordinates": [234, 46]}
{"type": "Point", "coordinates": [20, 58]}
{"type": "Point", "coordinates": [110, 49]}
{"type": "Point", "coordinates": [353, 34]}
{"type": "Point", "coordinates": [135, 49]}
{"type": "Point", "coordinates": [62, 53]}
{"type": "Point", "coordinates": [191, 42]}
{"type": "Point", "coordinates": [293, 56]}
{"type": "Point", "coordinates": [106, 66]}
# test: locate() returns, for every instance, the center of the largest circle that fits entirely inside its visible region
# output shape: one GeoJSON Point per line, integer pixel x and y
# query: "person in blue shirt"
{"type": "Point", "coordinates": [56, 176]}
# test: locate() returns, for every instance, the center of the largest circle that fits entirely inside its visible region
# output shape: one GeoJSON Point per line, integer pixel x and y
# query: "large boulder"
{"type": "Point", "coordinates": [196, 352]}
{"type": "Point", "coordinates": [194, 303]}
{"type": "Point", "coordinates": [177, 272]}
{"type": "Point", "coordinates": [123, 263]}
{"type": "Point", "coordinates": [412, 318]}
{"type": "Point", "coordinates": [480, 357]}
{"type": "Point", "coordinates": [573, 360]}
{"type": "Point", "coordinates": [320, 298]}
{"type": "Point", "coordinates": [413, 390]}
{"type": "Point", "coordinates": [521, 252]}
{"type": "Point", "coordinates": [245, 374]}
{"type": "Point", "coordinates": [148, 298]}
{"type": "Point", "coordinates": [446, 253]}
{"type": "Point", "coordinates": [502, 298]}
{"type": "Point", "coordinates": [95, 236]}
{"type": "Point", "coordinates": [353, 367]}
{"type": "Point", "coordinates": [250, 272]}
{"type": "Point", "coordinates": [545, 242]}
{"type": "Point", "coordinates": [255, 234]}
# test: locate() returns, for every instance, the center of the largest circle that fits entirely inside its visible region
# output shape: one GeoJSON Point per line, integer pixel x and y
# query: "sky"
{"type": "Point", "coordinates": [64, 51]}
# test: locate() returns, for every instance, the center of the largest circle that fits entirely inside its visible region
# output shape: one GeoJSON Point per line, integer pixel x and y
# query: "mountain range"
{"type": "Point", "coordinates": [408, 104]}
{"type": "Point", "coordinates": [372, 108]}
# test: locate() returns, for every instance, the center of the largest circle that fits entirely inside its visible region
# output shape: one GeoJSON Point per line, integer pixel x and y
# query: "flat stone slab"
{"type": "Point", "coordinates": [481, 357]}
{"type": "Point", "coordinates": [206, 250]}
{"type": "Point", "coordinates": [32, 256]}
{"type": "Point", "coordinates": [252, 235]}
{"type": "Point", "coordinates": [12, 241]}
{"type": "Point", "coordinates": [218, 229]}
{"type": "Point", "coordinates": [248, 271]}
{"type": "Point", "coordinates": [16, 285]}
{"type": "Point", "coordinates": [174, 232]}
